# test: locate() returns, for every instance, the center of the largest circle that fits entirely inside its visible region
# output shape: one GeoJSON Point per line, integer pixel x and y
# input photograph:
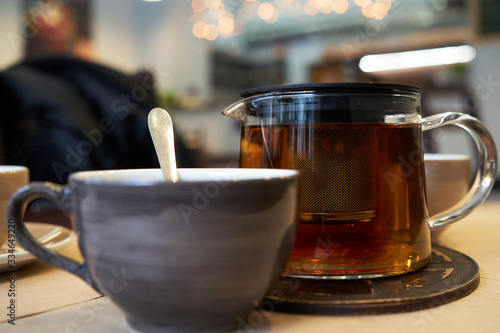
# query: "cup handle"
{"type": "Point", "coordinates": [486, 173]}
{"type": "Point", "coordinates": [62, 197]}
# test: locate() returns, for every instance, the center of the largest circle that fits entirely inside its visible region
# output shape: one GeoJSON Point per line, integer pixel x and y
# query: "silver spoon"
{"type": "Point", "coordinates": [162, 133]}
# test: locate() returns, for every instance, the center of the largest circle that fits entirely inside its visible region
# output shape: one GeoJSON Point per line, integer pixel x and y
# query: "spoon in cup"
{"type": "Point", "coordinates": [162, 132]}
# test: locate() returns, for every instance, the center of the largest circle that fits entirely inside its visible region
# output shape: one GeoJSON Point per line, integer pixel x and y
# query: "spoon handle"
{"type": "Point", "coordinates": [162, 133]}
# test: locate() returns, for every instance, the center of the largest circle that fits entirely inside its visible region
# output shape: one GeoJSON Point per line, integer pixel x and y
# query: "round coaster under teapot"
{"type": "Point", "coordinates": [449, 276]}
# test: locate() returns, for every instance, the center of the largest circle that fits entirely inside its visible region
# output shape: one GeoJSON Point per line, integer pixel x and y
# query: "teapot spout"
{"type": "Point", "coordinates": [237, 111]}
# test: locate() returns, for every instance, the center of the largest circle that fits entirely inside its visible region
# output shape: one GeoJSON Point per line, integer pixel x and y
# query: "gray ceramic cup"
{"type": "Point", "coordinates": [196, 255]}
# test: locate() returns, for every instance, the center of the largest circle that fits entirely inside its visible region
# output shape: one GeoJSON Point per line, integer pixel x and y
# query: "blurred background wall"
{"type": "Point", "coordinates": [199, 75]}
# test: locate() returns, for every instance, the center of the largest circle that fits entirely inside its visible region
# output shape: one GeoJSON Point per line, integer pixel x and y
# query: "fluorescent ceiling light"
{"type": "Point", "coordinates": [415, 59]}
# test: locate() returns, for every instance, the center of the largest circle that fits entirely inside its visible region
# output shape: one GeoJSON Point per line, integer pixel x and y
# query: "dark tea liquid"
{"type": "Point", "coordinates": [361, 194]}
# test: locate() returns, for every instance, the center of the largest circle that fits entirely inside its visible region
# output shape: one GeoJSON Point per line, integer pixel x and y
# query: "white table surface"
{"type": "Point", "coordinates": [55, 301]}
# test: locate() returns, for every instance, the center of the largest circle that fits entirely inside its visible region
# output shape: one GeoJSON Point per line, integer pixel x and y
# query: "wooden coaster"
{"type": "Point", "coordinates": [449, 276]}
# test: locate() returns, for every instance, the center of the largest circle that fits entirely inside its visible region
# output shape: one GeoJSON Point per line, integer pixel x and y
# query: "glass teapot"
{"type": "Point", "coordinates": [362, 207]}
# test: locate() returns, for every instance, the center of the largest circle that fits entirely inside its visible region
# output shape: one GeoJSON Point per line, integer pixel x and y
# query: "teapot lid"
{"type": "Point", "coordinates": [343, 87]}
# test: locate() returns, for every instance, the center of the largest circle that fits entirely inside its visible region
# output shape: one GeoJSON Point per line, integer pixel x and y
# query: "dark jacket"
{"type": "Point", "coordinates": [59, 115]}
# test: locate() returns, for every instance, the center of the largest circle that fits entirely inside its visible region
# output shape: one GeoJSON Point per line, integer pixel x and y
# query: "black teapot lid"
{"type": "Point", "coordinates": [344, 87]}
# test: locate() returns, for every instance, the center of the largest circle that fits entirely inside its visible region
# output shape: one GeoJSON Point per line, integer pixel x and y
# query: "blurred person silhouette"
{"type": "Point", "coordinates": [61, 114]}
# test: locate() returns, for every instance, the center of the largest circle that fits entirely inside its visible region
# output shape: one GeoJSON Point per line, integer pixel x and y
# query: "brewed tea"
{"type": "Point", "coordinates": [361, 197]}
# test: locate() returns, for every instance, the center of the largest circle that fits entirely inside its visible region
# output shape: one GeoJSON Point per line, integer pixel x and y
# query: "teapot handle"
{"type": "Point", "coordinates": [486, 173]}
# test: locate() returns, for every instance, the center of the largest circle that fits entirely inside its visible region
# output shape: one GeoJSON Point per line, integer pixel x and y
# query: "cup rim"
{"type": "Point", "coordinates": [12, 168]}
{"type": "Point", "coordinates": [153, 176]}
{"type": "Point", "coordinates": [445, 157]}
